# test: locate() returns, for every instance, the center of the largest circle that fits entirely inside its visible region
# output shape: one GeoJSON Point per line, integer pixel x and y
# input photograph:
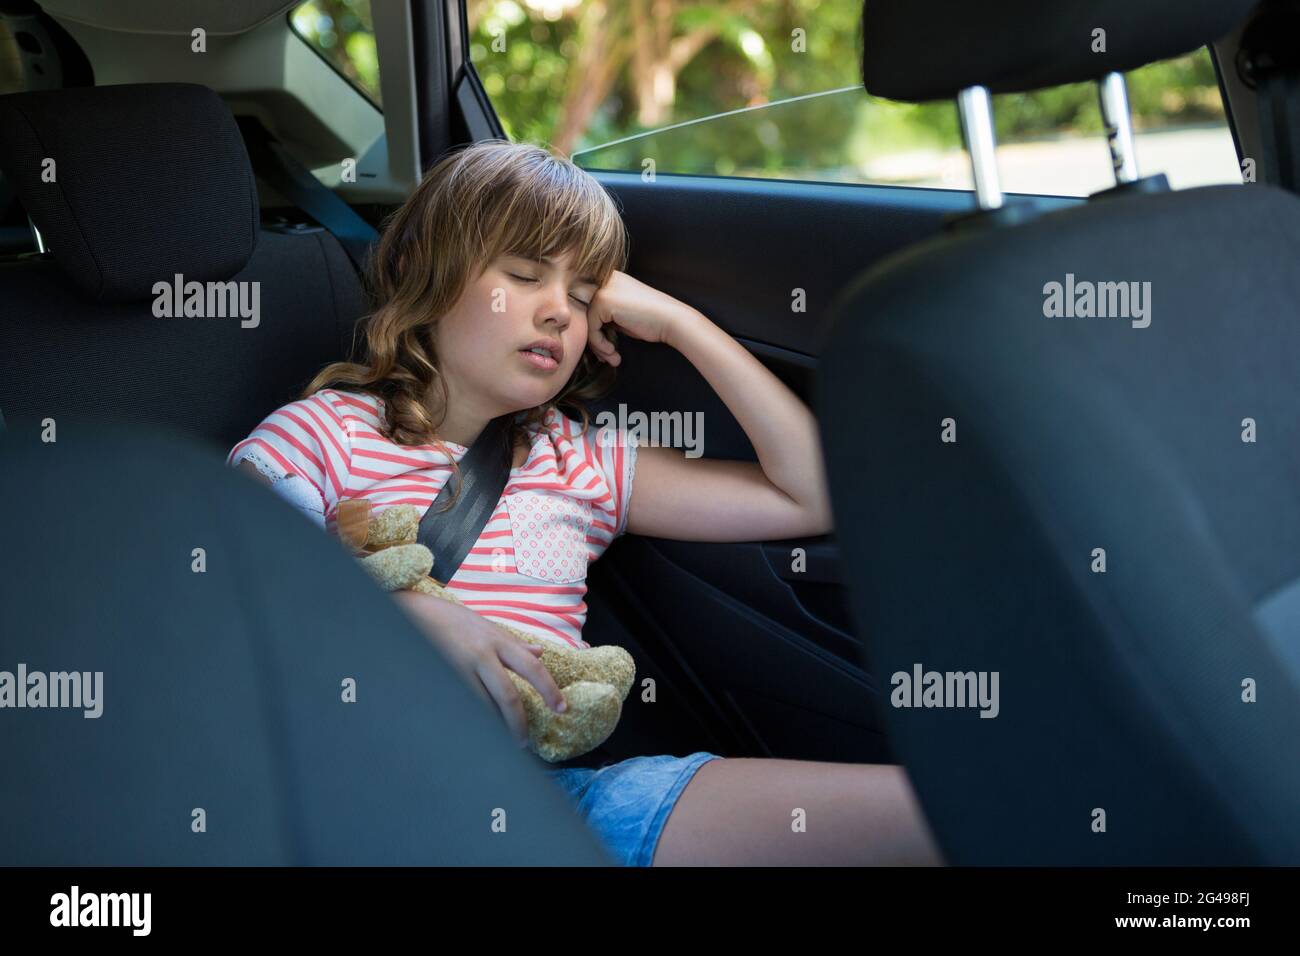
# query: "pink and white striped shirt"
{"type": "Point", "coordinates": [560, 510]}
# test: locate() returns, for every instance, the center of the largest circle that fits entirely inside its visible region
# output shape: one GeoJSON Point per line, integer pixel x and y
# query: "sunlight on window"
{"type": "Point", "coordinates": [775, 93]}
{"type": "Point", "coordinates": [343, 32]}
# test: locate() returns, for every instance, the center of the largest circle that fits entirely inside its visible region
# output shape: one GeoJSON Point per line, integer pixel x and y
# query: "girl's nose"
{"type": "Point", "coordinates": [557, 309]}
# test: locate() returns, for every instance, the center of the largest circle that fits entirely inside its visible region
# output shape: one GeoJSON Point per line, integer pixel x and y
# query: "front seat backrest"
{"type": "Point", "coordinates": [1102, 512]}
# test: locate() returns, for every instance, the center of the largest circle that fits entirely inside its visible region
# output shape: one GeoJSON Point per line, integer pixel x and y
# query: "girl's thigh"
{"type": "Point", "coordinates": [751, 811]}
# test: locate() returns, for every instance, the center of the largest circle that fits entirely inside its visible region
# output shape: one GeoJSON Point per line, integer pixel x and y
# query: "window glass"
{"type": "Point", "coordinates": [771, 89]}
{"type": "Point", "coordinates": [11, 66]}
{"type": "Point", "coordinates": [342, 32]}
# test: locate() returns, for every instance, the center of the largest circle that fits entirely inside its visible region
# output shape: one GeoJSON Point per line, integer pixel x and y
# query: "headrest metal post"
{"type": "Point", "coordinates": [976, 110]}
{"type": "Point", "coordinates": [36, 235]}
{"type": "Point", "coordinates": [1117, 119]}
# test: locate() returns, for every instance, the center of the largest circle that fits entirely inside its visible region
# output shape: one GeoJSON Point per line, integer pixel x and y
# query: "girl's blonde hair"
{"type": "Point", "coordinates": [476, 203]}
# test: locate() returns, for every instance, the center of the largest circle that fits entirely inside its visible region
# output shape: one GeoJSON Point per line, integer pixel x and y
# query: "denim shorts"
{"type": "Point", "coordinates": [627, 803]}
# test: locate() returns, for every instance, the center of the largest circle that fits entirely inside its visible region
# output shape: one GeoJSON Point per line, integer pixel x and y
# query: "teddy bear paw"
{"type": "Point", "coordinates": [587, 723]}
{"type": "Point", "coordinates": [399, 567]}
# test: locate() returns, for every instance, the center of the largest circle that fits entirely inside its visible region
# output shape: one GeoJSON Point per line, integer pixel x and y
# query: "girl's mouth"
{"type": "Point", "coordinates": [539, 360]}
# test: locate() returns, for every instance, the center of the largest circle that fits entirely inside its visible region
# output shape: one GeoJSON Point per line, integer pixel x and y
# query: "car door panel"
{"type": "Point", "coordinates": [739, 249]}
{"type": "Point", "coordinates": [741, 680]}
{"type": "Point", "coordinates": [754, 639]}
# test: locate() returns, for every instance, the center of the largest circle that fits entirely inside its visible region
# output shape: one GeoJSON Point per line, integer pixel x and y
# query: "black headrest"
{"type": "Point", "coordinates": [146, 181]}
{"type": "Point", "coordinates": [932, 49]}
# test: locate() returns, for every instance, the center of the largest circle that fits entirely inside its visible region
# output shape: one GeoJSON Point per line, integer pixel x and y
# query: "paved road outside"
{"type": "Point", "coordinates": [1074, 166]}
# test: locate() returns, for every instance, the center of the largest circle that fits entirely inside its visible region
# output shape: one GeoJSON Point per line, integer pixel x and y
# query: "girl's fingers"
{"type": "Point", "coordinates": [600, 344]}
{"type": "Point", "coordinates": [477, 685]}
{"type": "Point", "coordinates": [600, 334]}
{"type": "Point", "coordinates": [596, 334]}
{"type": "Point", "coordinates": [532, 670]}
{"type": "Point", "coordinates": [506, 698]}
{"type": "Point", "coordinates": [604, 349]}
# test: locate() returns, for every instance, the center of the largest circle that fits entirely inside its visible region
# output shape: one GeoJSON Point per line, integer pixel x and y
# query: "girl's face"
{"type": "Point", "coordinates": [517, 304]}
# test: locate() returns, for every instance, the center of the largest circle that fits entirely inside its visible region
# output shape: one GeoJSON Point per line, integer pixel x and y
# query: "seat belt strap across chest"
{"type": "Point", "coordinates": [484, 472]}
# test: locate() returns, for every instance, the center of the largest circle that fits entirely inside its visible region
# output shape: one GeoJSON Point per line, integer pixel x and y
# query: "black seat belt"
{"type": "Point", "coordinates": [1267, 61]}
{"type": "Point", "coordinates": [295, 182]}
{"type": "Point", "coordinates": [1279, 127]}
{"type": "Point", "coordinates": [484, 471]}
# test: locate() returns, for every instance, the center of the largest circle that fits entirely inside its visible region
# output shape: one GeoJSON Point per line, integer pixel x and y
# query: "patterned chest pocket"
{"type": "Point", "coordinates": [549, 534]}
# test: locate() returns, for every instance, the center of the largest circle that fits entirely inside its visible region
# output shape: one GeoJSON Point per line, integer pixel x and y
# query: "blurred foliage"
{"type": "Point", "coordinates": [576, 74]}
{"type": "Point", "coordinates": [343, 32]}
{"type": "Point", "coordinates": [11, 64]}
{"type": "Point", "coordinates": [524, 50]}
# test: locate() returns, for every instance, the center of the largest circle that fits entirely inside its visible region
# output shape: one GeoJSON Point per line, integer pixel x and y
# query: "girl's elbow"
{"type": "Point", "coordinates": [819, 519]}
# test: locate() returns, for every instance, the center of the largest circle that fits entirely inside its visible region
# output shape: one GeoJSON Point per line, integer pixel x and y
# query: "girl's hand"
{"type": "Point", "coordinates": [481, 651]}
{"type": "Point", "coordinates": [633, 307]}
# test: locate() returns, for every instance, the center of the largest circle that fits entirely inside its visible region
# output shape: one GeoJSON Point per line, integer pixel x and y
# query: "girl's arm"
{"type": "Point", "coordinates": [783, 495]}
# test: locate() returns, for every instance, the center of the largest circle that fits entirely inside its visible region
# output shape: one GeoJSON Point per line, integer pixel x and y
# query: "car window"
{"type": "Point", "coordinates": [15, 236]}
{"type": "Point", "coordinates": [700, 89]}
{"type": "Point", "coordinates": [11, 66]}
{"type": "Point", "coordinates": [342, 32]}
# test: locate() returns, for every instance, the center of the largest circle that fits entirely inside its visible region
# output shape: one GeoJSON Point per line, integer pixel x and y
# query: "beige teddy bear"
{"type": "Point", "coordinates": [594, 681]}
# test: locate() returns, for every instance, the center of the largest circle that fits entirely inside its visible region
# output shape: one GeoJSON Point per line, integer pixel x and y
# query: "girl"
{"type": "Point", "coordinates": [499, 290]}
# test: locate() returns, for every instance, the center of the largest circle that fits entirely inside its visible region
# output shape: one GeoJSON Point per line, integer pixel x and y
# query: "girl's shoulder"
{"type": "Point", "coordinates": [363, 416]}
{"type": "Point", "coordinates": [559, 427]}
{"type": "Point", "coordinates": [566, 438]}
{"type": "Point", "coordinates": [361, 405]}
{"type": "Point", "coordinates": [331, 409]}
{"type": "Point", "coordinates": [594, 463]}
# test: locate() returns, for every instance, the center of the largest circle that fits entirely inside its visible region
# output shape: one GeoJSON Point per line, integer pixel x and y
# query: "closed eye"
{"type": "Point", "coordinates": [514, 275]}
